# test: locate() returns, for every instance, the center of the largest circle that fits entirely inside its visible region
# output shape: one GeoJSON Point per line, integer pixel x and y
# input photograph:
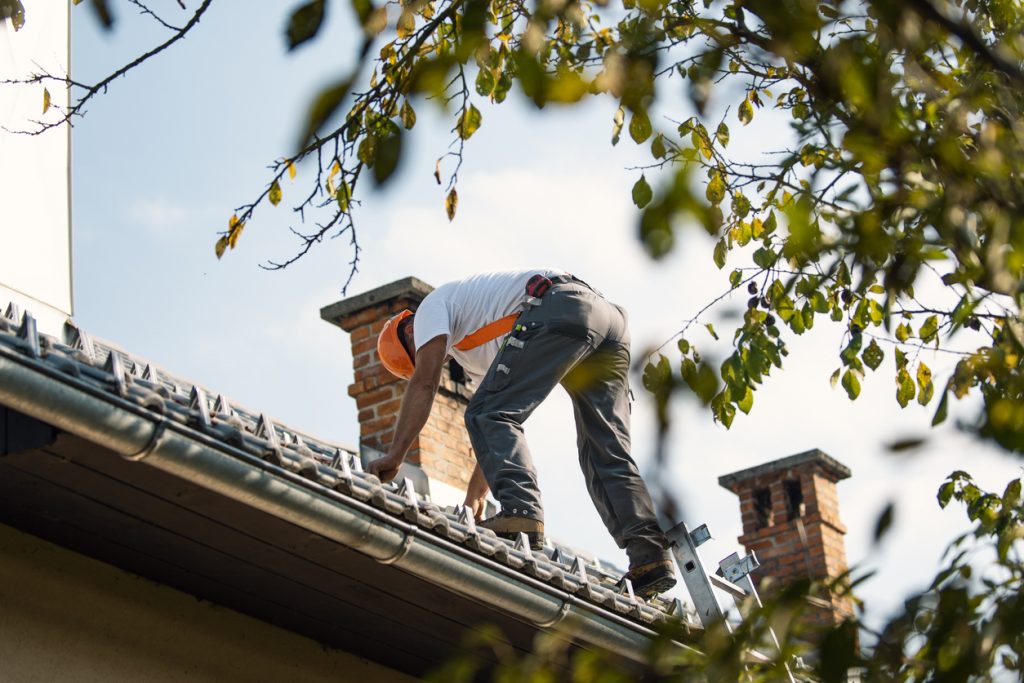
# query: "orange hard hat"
{"type": "Point", "coordinates": [392, 351]}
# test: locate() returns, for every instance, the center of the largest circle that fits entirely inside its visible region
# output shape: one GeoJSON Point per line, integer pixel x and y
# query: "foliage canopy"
{"type": "Point", "coordinates": [902, 164]}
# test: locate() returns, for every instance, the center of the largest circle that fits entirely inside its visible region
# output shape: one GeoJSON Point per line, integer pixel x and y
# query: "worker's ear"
{"type": "Point", "coordinates": [406, 334]}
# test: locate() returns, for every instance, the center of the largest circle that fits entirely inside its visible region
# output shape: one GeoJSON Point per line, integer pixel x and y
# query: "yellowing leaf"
{"type": "Point", "coordinates": [291, 170]}
{"type": "Point", "coordinates": [232, 237]}
{"type": "Point", "coordinates": [716, 189]}
{"type": "Point", "coordinates": [233, 221]}
{"type": "Point", "coordinates": [746, 112]}
{"type": "Point", "coordinates": [46, 100]}
{"type": "Point", "coordinates": [722, 134]}
{"type": "Point", "coordinates": [469, 123]}
{"type": "Point", "coordinates": [275, 193]}
{"type": "Point", "coordinates": [924, 382]}
{"type": "Point", "coordinates": [408, 115]}
{"type": "Point", "coordinates": [221, 245]}
{"type": "Point", "coordinates": [406, 24]}
{"type": "Point", "coordinates": [451, 203]}
{"type": "Point", "coordinates": [617, 121]}
{"type": "Point", "coordinates": [851, 384]}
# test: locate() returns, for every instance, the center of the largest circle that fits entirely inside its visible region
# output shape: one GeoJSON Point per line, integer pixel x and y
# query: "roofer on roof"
{"type": "Point", "coordinates": [518, 334]}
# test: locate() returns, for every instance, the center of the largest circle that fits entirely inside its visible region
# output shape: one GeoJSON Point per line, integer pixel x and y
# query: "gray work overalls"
{"type": "Point", "coordinates": [577, 339]}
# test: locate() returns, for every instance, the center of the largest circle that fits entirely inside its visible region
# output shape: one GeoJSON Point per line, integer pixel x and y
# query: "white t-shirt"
{"type": "Point", "coordinates": [459, 308]}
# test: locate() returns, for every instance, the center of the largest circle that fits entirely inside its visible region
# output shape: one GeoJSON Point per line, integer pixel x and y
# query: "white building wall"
{"type": "Point", "coordinates": [66, 617]}
{"type": "Point", "coordinates": [35, 225]}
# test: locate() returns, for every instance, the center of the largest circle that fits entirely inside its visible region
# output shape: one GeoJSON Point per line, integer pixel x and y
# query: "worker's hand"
{"type": "Point", "coordinates": [385, 468]}
{"type": "Point", "coordinates": [476, 505]}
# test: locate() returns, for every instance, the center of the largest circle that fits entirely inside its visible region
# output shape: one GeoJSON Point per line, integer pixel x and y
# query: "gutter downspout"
{"type": "Point", "coordinates": [105, 419]}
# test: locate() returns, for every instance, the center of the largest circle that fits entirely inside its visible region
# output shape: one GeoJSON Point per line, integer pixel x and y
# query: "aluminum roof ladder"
{"type": "Point", "coordinates": [732, 577]}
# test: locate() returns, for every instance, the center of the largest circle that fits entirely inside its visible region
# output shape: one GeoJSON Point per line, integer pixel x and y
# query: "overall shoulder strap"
{"type": "Point", "coordinates": [490, 331]}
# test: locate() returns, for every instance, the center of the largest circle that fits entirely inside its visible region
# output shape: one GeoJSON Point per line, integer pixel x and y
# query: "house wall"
{"type": "Point", "coordinates": [67, 617]}
{"type": "Point", "coordinates": [35, 225]}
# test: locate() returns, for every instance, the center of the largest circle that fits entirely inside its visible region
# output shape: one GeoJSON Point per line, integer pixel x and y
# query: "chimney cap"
{"type": "Point", "coordinates": [834, 469]}
{"type": "Point", "coordinates": [411, 288]}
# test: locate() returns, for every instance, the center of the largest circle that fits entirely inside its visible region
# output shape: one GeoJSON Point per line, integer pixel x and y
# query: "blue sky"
{"type": "Point", "coordinates": [163, 158]}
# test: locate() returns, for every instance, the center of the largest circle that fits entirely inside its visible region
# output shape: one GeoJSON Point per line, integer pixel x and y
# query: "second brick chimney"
{"type": "Point", "coordinates": [790, 514]}
{"type": "Point", "coordinates": [442, 449]}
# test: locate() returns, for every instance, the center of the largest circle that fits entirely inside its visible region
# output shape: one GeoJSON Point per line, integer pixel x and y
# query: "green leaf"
{"type": "Point", "coordinates": [1011, 496]}
{"type": "Point", "coordinates": [725, 413]}
{"type": "Point", "coordinates": [905, 388]}
{"type": "Point", "coordinates": [389, 151]}
{"type": "Point", "coordinates": [343, 196]}
{"type": "Point", "coordinates": [945, 493]}
{"type": "Point", "coordinates": [642, 193]}
{"type": "Point", "coordinates": [658, 146]}
{"type": "Point", "coordinates": [851, 384]}
{"type": "Point", "coordinates": [721, 250]}
{"type": "Point", "coordinates": [469, 123]}
{"type": "Point", "coordinates": [722, 134]}
{"type": "Point", "coordinates": [930, 329]}
{"type": "Point", "coordinates": [747, 402]}
{"type": "Point", "coordinates": [884, 522]}
{"type": "Point", "coordinates": [873, 355]}
{"type": "Point", "coordinates": [325, 104]}
{"type": "Point", "coordinates": [903, 332]}
{"type": "Point", "coordinates": [305, 22]}
{"type": "Point", "coordinates": [639, 127]}
{"type": "Point", "coordinates": [942, 411]}
{"type": "Point", "coordinates": [746, 112]}
{"type": "Point", "coordinates": [657, 377]}
{"type": "Point", "coordinates": [834, 379]}
{"type": "Point", "coordinates": [765, 257]}
{"type": "Point", "coordinates": [711, 330]}
{"type": "Point", "coordinates": [274, 195]}
{"type": "Point", "coordinates": [735, 277]}
{"type": "Point", "coordinates": [684, 346]}
{"type": "Point", "coordinates": [849, 353]}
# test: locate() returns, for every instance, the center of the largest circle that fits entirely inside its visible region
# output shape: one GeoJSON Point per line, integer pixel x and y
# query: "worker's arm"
{"type": "Point", "coordinates": [419, 397]}
{"type": "Point", "coordinates": [476, 493]}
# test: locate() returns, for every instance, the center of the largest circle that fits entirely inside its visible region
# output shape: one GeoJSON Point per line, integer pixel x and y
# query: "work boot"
{"type": "Point", "coordinates": [652, 578]}
{"type": "Point", "coordinates": [510, 526]}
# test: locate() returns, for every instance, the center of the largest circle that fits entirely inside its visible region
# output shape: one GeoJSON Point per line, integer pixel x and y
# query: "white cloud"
{"type": "Point", "coordinates": [157, 215]}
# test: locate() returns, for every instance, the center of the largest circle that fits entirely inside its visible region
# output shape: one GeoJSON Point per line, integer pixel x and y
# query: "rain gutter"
{"type": "Point", "coordinates": [136, 433]}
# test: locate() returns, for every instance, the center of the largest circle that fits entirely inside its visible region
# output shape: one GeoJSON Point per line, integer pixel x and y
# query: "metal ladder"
{"type": "Point", "coordinates": [732, 577]}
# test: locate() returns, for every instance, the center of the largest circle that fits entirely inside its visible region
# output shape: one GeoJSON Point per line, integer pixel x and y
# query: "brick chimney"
{"type": "Point", "coordinates": [790, 515]}
{"type": "Point", "coordinates": [442, 449]}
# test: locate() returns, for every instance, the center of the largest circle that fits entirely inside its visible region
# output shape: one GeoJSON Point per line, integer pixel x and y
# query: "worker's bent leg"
{"type": "Point", "coordinates": [528, 367]}
{"type": "Point", "coordinates": [600, 394]}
